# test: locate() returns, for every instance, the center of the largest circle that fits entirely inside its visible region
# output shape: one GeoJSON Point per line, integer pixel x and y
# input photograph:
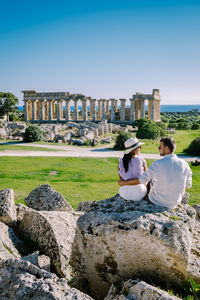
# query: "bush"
{"type": "Point", "coordinates": [33, 133]}
{"type": "Point", "coordinates": [184, 125]}
{"type": "Point", "coordinates": [195, 126]}
{"type": "Point", "coordinates": [172, 125]}
{"type": "Point", "coordinates": [194, 147]}
{"type": "Point", "coordinates": [150, 131]}
{"type": "Point", "coordinates": [120, 140]}
{"type": "Point", "coordinates": [141, 122]}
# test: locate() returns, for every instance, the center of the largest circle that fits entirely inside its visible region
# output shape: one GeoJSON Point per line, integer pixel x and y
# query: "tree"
{"type": "Point", "coordinates": [194, 147]}
{"type": "Point", "coordinates": [120, 140]}
{"type": "Point", "coordinates": [33, 133]}
{"type": "Point", "coordinates": [7, 104]}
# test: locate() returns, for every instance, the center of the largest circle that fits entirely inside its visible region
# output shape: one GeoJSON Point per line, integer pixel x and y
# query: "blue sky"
{"type": "Point", "coordinates": [103, 49]}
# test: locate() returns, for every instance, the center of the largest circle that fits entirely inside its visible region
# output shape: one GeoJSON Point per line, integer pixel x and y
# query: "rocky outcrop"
{"type": "Point", "coordinates": [197, 208]}
{"type": "Point", "coordinates": [118, 239]}
{"type": "Point", "coordinates": [54, 233]}
{"type": "Point", "coordinates": [7, 206]}
{"type": "Point", "coordinates": [44, 197]}
{"type": "Point", "coordinates": [132, 289]}
{"type": "Point", "coordinates": [22, 280]}
{"type": "Point", "coordinates": [9, 243]}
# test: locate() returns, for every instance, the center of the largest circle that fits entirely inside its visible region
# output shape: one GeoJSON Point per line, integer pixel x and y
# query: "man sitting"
{"type": "Point", "coordinates": [168, 177]}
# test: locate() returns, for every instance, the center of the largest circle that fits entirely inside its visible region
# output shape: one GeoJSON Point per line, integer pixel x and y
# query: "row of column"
{"type": "Point", "coordinates": [53, 109]}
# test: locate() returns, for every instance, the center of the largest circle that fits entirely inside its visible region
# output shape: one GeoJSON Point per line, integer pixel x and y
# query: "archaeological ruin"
{"type": "Point", "coordinates": [56, 107]}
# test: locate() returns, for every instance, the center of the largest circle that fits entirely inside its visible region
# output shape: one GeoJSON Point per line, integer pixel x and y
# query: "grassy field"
{"type": "Point", "coordinates": [77, 179]}
{"type": "Point", "coordinates": [182, 137]}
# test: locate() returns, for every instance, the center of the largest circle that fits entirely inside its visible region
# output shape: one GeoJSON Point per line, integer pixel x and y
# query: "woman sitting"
{"type": "Point", "coordinates": [132, 165]}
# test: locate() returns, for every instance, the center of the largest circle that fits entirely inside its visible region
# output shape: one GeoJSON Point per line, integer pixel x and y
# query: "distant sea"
{"type": "Point", "coordinates": [163, 108]}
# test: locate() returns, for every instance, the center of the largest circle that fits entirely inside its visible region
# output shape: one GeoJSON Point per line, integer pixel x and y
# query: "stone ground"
{"type": "Point", "coordinates": [78, 151]}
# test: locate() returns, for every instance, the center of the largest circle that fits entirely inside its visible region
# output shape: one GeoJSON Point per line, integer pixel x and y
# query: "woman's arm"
{"type": "Point", "coordinates": [134, 181]}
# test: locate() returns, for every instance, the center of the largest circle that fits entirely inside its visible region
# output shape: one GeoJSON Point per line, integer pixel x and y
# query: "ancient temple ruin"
{"type": "Point", "coordinates": [55, 107]}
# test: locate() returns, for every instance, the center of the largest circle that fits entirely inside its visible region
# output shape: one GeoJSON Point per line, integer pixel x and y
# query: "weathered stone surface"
{"type": "Point", "coordinates": [44, 197]}
{"type": "Point", "coordinates": [8, 243]}
{"type": "Point", "coordinates": [132, 289]}
{"type": "Point", "coordinates": [40, 261]}
{"type": "Point", "coordinates": [20, 210]}
{"type": "Point", "coordinates": [54, 233]}
{"type": "Point", "coordinates": [20, 280]}
{"type": "Point", "coordinates": [118, 239]}
{"type": "Point", "coordinates": [197, 208]}
{"type": "Point", "coordinates": [7, 206]}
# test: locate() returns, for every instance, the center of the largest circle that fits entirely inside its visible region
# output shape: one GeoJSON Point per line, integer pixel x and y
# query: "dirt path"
{"type": "Point", "coordinates": [78, 151]}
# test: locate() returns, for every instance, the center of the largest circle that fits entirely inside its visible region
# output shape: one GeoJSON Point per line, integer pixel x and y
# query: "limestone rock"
{"type": "Point", "coordinates": [197, 208]}
{"type": "Point", "coordinates": [54, 233]}
{"type": "Point", "coordinates": [44, 197]}
{"type": "Point", "coordinates": [118, 239]}
{"type": "Point", "coordinates": [7, 206]}
{"type": "Point", "coordinates": [8, 243]}
{"type": "Point", "coordinates": [20, 280]}
{"type": "Point", "coordinates": [132, 289]}
{"type": "Point", "coordinates": [40, 261]}
{"type": "Point", "coordinates": [20, 211]}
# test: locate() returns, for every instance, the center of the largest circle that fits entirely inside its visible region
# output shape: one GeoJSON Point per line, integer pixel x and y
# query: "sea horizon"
{"type": "Point", "coordinates": [163, 107]}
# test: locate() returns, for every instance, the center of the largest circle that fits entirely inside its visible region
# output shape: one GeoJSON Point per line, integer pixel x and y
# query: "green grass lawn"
{"type": "Point", "coordinates": [182, 137]}
{"type": "Point", "coordinates": [77, 179]}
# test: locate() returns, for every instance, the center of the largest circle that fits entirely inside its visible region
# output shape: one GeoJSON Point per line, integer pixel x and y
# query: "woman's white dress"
{"type": "Point", "coordinates": [135, 169]}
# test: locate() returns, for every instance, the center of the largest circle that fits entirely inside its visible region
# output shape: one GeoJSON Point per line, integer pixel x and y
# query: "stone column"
{"type": "Point", "coordinates": [152, 110]}
{"type": "Point", "coordinates": [91, 113]}
{"type": "Point", "coordinates": [25, 111]}
{"type": "Point", "coordinates": [75, 109]}
{"type": "Point", "coordinates": [142, 109]}
{"type": "Point", "coordinates": [58, 110]}
{"type": "Point", "coordinates": [99, 109]}
{"type": "Point", "coordinates": [84, 109]}
{"type": "Point", "coordinates": [132, 112]}
{"type": "Point", "coordinates": [112, 110]}
{"type": "Point", "coordinates": [116, 109]}
{"type": "Point", "coordinates": [93, 110]}
{"type": "Point", "coordinates": [122, 110]}
{"type": "Point", "coordinates": [103, 109]}
{"type": "Point", "coordinates": [33, 110]}
{"type": "Point", "coordinates": [41, 110]}
{"type": "Point", "coordinates": [67, 110]}
{"type": "Point", "coordinates": [50, 110]}
{"type": "Point", "coordinates": [107, 107]}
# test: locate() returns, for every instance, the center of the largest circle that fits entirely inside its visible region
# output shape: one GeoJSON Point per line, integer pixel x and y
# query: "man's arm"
{"type": "Point", "coordinates": [134, 181]}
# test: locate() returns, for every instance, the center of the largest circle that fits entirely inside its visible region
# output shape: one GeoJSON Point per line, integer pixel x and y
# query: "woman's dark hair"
{"type": "Point", "coordinates": [126, 160]}
{"type": "Point", "coordinates": [170, 143]}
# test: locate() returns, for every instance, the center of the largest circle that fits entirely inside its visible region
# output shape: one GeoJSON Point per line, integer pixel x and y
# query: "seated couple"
{"type": "Point", "coordinates": [168, 177]}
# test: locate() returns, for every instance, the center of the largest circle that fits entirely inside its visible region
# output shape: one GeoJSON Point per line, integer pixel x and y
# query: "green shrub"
{"type": "Point", "coordinates": [162, 124]}
{"type": "Point", "coordinates": [148, 131]}
{"type": "Point", "coordinates": [184, 125]}
{"type": "Point", "coordinates": [195, 126]}
{"type": "Point", "coordinates": [141, 122]}
{"type": "Point", "coordinates": [120, 140]}
{"type": "Point", "coordinates": [172, 125]}
{"type": "Point", "coordinates": [194, 147]}
{"type": "Point", "coordinates": [33, 133]}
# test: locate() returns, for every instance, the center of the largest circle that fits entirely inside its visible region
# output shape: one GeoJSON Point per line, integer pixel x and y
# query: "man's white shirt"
{"type": "Point", "coordinates": [168, 178]}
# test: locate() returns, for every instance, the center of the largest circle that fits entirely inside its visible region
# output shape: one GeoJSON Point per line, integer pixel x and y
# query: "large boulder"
{"type": "Point", "coordinates": [9, 243]}
{"type": "Point", "coordinates": [22, 280]}
{"type": "Point", "coordinates": [44, 197]}
{"type": "Point", "coordinates": [54, 234]}
{"type": "Point", "coordinates": [137, 290]}
{"type": "Point", "coordinates": [7, 206]}
{"type": "Point", "coordinates": [118, 239]}
{"type": "Point", "coordinates": [20, 211]}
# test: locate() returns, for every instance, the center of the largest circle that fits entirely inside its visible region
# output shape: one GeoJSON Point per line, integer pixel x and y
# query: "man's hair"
{"type": "Point", "coordinates": [170, 143]}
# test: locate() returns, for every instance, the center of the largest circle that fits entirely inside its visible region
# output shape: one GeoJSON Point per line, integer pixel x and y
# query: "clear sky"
{"type": "Point", "coordinates": [102, 49]}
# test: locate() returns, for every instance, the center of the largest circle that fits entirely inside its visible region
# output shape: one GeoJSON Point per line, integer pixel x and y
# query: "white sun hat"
{"type": "Point", "coordinates": [131, 144]}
